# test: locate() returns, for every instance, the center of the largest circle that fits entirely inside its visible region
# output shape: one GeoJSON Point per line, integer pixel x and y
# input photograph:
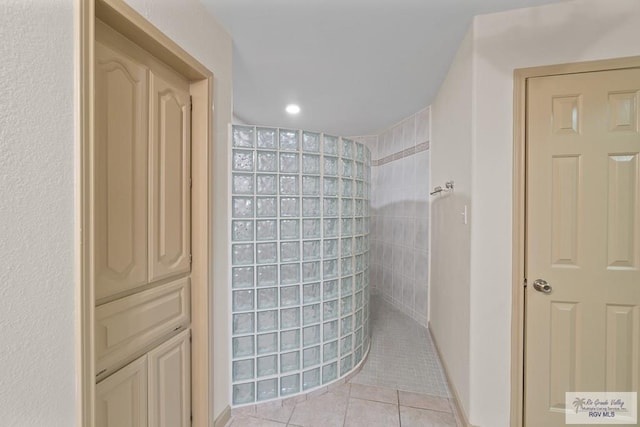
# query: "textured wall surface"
{"type": "Point", "coordinates": [36, 214]}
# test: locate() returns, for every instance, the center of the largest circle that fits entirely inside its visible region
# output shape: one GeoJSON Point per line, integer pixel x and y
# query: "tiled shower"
{"type": "Point", "coordinates": [300, 260]}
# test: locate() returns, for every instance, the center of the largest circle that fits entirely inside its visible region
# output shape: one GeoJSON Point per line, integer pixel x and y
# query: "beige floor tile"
{"type": "Point", "coordinates": [424, 401]}
{"type": "Point", "coordinates": [378, 394]}
{"type": "Point", "coordinates": [244, 421]}
{"type": "Point", "coordinates": [327, 410]}
{"type": "Point", "coordinates": [280, 412]}
{"type": "Point", "coordinates": [366, 413]}
{"type": "Point", "coordinates": [414, 417]}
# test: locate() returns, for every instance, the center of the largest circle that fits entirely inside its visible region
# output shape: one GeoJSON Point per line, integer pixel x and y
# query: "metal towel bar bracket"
{"type": "Point", "coordinates": [448, 187]}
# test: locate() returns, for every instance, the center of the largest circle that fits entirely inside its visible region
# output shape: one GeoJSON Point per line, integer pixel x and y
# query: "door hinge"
{"type": "Point", "coordinates": [524, 284]}
{"type": "Point", "coordinates": [190, 258]}
{"type": "Point", "coordinates": [190, 182]}
{"type": "Point", "coordinates": [191, 103]}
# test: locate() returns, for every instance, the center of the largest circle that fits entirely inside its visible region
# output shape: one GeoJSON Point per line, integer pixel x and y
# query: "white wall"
{"type": "Point", "coordinates": [37, 385]}
{"type": "Point", "coordinates": [37, 189]}
{"type": "Point", "coordinates": [190, 25]}
{"type": "Point", "coordinates": [572, 31]}
{"type": "Point", "coordinates": [451, 142]}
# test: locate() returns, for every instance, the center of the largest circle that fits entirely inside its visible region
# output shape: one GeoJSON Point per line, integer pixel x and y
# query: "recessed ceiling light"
{"type": "Point", "coordinates": [292, 109]}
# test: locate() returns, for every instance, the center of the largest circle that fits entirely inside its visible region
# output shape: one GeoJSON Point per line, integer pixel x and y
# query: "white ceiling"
{"type": "Point", "coordinates": [353, 66]}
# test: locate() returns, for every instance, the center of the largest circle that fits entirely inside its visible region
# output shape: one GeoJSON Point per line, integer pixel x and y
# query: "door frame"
{"type": "Point", "coordinates": [519, 267]}
{"type": "Point", "coordinates": [128, 22]}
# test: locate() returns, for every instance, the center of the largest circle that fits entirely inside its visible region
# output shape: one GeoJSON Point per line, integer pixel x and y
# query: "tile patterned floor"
{"type": "Point", "coordinates": [414, 393]}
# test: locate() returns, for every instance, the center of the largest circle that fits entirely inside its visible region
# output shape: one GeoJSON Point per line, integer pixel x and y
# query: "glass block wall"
{"type": "Point", "coordinates": [300, 260]}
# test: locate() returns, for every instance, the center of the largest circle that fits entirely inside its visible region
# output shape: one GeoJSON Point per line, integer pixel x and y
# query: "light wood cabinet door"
{"type": "Point", "coordinates": [169, 383]}
{"type": "Point", "coordinates": [121, 399]}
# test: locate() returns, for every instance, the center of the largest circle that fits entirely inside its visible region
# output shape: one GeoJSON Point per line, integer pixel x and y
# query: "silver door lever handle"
{"type": "Point", "coordinates": [541, 285]}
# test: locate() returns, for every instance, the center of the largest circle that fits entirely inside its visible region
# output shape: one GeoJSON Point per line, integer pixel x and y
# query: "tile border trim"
{"type": "Point", "coordinates": [401, 154]}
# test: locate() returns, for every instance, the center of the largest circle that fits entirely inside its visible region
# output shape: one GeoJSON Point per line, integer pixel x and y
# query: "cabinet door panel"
{"type": "Point", "coordinates": [121, 399]}
{"type": "Point", "coordinates": [170, 383]}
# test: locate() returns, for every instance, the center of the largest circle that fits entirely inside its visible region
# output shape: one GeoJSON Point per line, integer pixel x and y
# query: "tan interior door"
{"type": "Point", "coordinates": [583, 239]}
{"type": "Point", "coordinates": [142, 228]}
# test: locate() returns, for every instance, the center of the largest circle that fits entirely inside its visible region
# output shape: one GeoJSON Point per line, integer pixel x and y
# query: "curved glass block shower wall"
{"type": "Point", "coordinates": [300, 260]}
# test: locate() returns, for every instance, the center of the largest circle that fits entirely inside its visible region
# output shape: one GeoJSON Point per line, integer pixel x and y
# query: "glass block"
{"type": "Point", "coordinates": [346, 325]}
{"type": "Point", "coordinates": [243, 370]}
{"type": "Point", "coordinates": [359, 318]}
{"type": "Point", "coordinates": [347, 227]}
{"type": "Point", "coordinates": [330, 351]}
{"type": "Point", "coordinates": [359, 189]}
{"type": "Point", "coordinates": [310, 164]}
{"type": "Point", "coordinates": [267, 343]}
{"type": "Point", "coordinates": [311, 378]}
{"type": "Point", "coordinates": [359, 281]}
{"type": "Point", "coordinates": [330, 289]}
{"type": "Point", "coordinates": [358, 338]}
{"type": "Point", "coordinates": [242, 277]}
{"type": "Point", "coordinates": [266, 138]}
{"type": "Point", "coordinates": [310, 228]}
{"type": "Point", "coordinates": [311, 185]}
{"type": "Point", "coordinates": [266, 207]}
{"type": "Point", "coordinates": [243, 346]}
{"type": "Point", "coordinates": [359, 226]}
{"type": "Point", "coordinates": [242, 254]}
{"type": "Point", "coordinates": [289, 185]}
{"type": "Point", "coordinates": [359, 210]}
{"type": "Point", "coordinates": [345, 365]}
{"type": "Point", "coordinates": [330, 207]}
{"type": "Point", "coordinates": [330, 269]}
{"type": "Point", "coordinates": [346, 344]}
{"type": "Point", "coordinates": [357, 355]}
{"type": "Point", "coordinates": [311, 335]}
{"type": "Point", "coordinates": [359, 263]}
{"type": "Point", "coordinates": [330, 248]}
{"type": "Point", "coordinates": [311, 293]}
{"type": "Point", "coordinates": [347, 148]}
{"type": "Point", "coordinates": [311, 142]}
{"type": "Point", "coordinates": [330, 186]}
{"type": "Point", "coordinates": [359, 170]}
{"type": "Point", "coordinates": [346, 305]}
{"type": "Point", "coordinates": [330, 227]}
{"type": "Point", "coordinates": [346, 287]}
{"type": "Point", "coordinates": [243, 300]}
{"type": "Point", "coordinates": [243, 323]}
{"type": "Point", "coordinates": [290, 340]}
{"type": "Point", "coordinates": [243, 136]}
{"type": "Point", "coordinates": [266, 229]}
{"type": "Point", "coordinates": [289, 163]}
{"type": "Point", "coordinates": [267, 275]}
{"type": "Point", "coordinates": [347, 265]}
{"type": "Point", "coordinates": [359, 152]}
{"type": "Point", "coordinates": [243, 207]}
{"type": "Point", "coordinates": [329, 372]}
{"type": "Point", "coordinates": [267, 184]}
{"type": "Point", "coordinates": [267, 389]}
{"type": "Point", "coordinates": [311, 250]}
{"type": "Point", "coordinates": [290, 318]}
{"type": "Point", "coordinates": [311, 314]}
{"type": "Point", "coordinates": [243, 393]}
{"type": "Point", "coordinates": [267, 298]}
{"type": "Point", "coordinates": [289, 229]}
{"type": "Point", "coordinates": [330, 145]}
{"type": "Point", "coordinates": [267, 320]}
{"type": "Point", "coordinates": [243, 160]}
{"type": "Point", "coordinates": [346, 169]}
{"type": "Point", "coordinates": [330, 309]}
{"type": "Point", "coordinates": [346, 187]}
{"type": "Point", "coordinates": [310, 271]}
{"type": "Point", "coordinates": [347, 207]}
{"type": "Point", "coordinates": [289, 361]}
{"type": "Point", "coordinates": [289, 251]}
{"type": "Point", "coordinates": [289, 384]}
{"type": "Point", "coordinates": [242, 230]}
{"type": "Point", "coordinates": [289, 274]}
{"type": "Point", "coordinates": [330, 166]}
{"type": "Point", "coordinates": [310, 206]}
{"type": "Point", "coordinates": [330, 330]}
{"type": "Point", "coordinates": [267, 161]}
{"type": "Point", "coordinates": [289, 207]}
{"type": "Point", "coordinates": [266, 253]}
{"type": "Point", "coordinates": [310, 356]}
{"type": "Point", "coordinates": [347, 246]}
{"type": "Point", "coordinates": [289, 140]}
{"type": "Point", "coordinates": [359, 245]}
{"type": "Point", "coordinates": [289, 295]}
{"type": "Point", "coordinates": [242, 183]}
{"type": "Point", "coordinates": [267, 365]}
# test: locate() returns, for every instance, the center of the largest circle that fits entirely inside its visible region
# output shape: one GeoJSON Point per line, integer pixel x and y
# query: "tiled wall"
{"type": "Point", "coordinates": [400, 214]}
{"type": "Point", "coordinates": [300, 260]}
